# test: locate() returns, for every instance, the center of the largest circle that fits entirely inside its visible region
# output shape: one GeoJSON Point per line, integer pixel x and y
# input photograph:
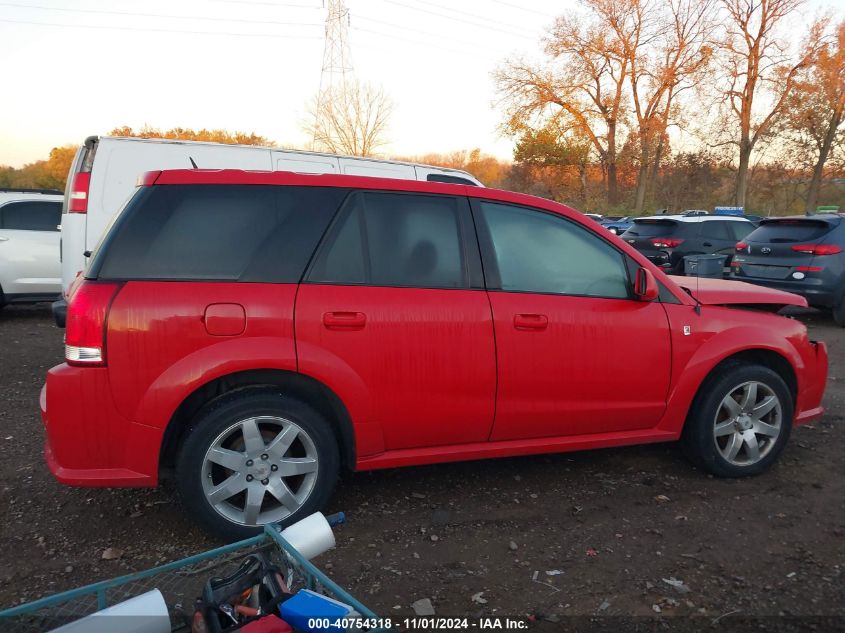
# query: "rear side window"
{"type": "Point", "coordinates": [656, 228]}
{"type": "Point", "coordinates": [34, 215]}
{"type": "Point", "coordinates": [716, 229]}
{"type": "Point", "coordinates": [787, 231]}
{"type": "Point", "coordinates": [389, 239]}
{"type": "Point", "coordinates": [217, 232]}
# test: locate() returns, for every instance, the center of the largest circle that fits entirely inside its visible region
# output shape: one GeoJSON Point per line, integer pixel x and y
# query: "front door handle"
{"type": "Point", "coordinates": [3, 239]}
{"type": "Point", "coordinates": [708, 244]}
{"type": "Point", "coordinates": [530, 321]}
{"type": "Point", "coordinates": [344, 320]}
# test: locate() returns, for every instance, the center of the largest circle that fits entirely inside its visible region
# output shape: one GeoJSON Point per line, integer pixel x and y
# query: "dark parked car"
{"type": "Point", "coordinates": [667, 239]}
{"type": "Point", "coordinates": [801, 254]}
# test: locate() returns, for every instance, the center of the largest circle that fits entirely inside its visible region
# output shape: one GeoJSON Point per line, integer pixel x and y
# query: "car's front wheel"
{"type": "Point", "coordinates": [255, 457]}
{"type": "Point", "coordinates": [740, 421]}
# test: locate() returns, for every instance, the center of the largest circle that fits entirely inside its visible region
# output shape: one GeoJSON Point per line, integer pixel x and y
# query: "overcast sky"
{"type": "Point", "coordinates": [72, 68]}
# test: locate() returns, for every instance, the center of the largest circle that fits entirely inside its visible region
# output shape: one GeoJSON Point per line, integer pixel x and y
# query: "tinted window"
{"type": "Point", "coordinates": [541, 252]}
{"type": "Point", "coordinates": [32, 215]}
{"type": "Point", "coordinates": [716, 229]}
{"type": "Point", "coordinates": [653, 228]}
{"type": "Point", "coordinates": [741, 229]}
{"type": "Point", "coordinates": [786, 231]}
{"type": "Point", "coordinates": [220, 232]}
{"type": "Point", "coordinates": [454, 180]}
{"type": "Point", "coordinates": [385, 239]}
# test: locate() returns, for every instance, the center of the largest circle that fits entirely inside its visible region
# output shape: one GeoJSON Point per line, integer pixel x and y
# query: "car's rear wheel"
{"type": "Point", "coordinates": [740, 421]}
{"type": "Point", "coordinates": [839, 313]}
{"type": "Point", "coordinates": [256, 457]}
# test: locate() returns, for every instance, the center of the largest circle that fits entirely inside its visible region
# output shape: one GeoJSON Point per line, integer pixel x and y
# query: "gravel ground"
{"type": "Point", "coordinates": [555, 537]}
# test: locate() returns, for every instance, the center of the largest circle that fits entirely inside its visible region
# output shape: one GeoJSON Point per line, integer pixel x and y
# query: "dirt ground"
{"type": "Point", "coordinates": [577, 538]}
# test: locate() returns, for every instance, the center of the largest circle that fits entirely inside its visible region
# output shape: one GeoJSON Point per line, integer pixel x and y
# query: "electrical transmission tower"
{"type": "Point", "coordinates": [337, 64]}
{"type": "Point", "coordinates": [337, 60]}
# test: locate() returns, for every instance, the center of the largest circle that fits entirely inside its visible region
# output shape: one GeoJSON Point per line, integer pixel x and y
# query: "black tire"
{"type": "Point", "coordinates": [839, 313]}
{"type": "Point", "coordinates": [221, 416]}
{"type": "Point", "coordinates": [699, 439]}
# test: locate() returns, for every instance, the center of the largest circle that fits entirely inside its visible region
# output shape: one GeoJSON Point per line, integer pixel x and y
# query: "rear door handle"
{"type": "Point", "coordinates": [530, 321]}
{"type": "Point", "coordinates": [707, 244]}
{"type": "Point", "coordinates": [344, 320]}
{"type": "Point", "coordinates": [3, 239]}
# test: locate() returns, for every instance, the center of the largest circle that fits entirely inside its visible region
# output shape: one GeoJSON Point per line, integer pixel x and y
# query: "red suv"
{"type": "Point", "coordinates": [257, 332]}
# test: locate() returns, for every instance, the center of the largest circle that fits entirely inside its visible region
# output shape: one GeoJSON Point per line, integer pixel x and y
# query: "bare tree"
{"type": "Point", "coordinates": [816, 110]}
{"type": "Point", "coordinates": [761, 74]}
{"type": "Point", "coordinates": [584, 83]}
{"type": "Point", "coordinates": [350, 119]}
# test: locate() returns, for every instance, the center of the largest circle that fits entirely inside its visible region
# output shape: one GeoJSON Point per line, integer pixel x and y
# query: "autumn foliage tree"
{"type": "Point", "coordinates": [759, 71]}
{"type": "Point", "coordinates": [583, 80]}
{"type": "Point", "coordinates": [816, 110]}
{"type": "Point", "coordinates": [188, 134]}
{"type": "Point", "coordinates": [43, 174]}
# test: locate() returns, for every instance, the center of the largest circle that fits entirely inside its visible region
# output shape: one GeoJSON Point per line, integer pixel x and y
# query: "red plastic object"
{"type": "Point", "coordinates": [268, 624]}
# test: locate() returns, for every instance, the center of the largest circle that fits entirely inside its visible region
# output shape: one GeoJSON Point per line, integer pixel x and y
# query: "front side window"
{"type": "Point", "coordinates": [541, 252]}
{"type": "Point", "coordinates": [34, 215]}
{"type": "Point", "coordinates": [391, 239]}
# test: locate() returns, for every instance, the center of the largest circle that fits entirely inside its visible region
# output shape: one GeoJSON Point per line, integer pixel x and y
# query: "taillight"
{"type": "Point", "coordinates": [85, 331]}
{"type": "Point", "coordinates": [79, 192]}
{"type": "Point", "coordinates": [741, 246]}
{"type": "Point", "coordinates": [817, 249]}
{"type": "Point", "coordinates": [666, 242]}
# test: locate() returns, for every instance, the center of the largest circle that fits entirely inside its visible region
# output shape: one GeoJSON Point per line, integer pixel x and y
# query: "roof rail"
{"type": "Point", "coordinates": [54, 192]}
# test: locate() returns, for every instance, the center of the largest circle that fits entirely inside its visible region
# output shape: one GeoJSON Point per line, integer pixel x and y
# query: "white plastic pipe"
{"type": "Point", "coordinates": [311, 536]}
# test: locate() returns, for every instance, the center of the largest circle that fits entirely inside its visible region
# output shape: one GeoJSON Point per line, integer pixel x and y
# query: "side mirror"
{"type": "Point", "coordinates": [645, 285]}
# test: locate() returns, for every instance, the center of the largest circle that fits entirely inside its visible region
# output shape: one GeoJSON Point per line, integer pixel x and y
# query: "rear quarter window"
{"type": "Point", "coordinates": [788, 231]}
{"type": "Point", "coordinates": [217, 232]}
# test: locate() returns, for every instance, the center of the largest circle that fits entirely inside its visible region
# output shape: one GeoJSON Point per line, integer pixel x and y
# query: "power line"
{"type": "Point", "coordinates": [270, 4]}
{"type": "Point", "coordinates": [151, 30]}
{"type": "Point", "coordinates": [419, 31]}
{"type": "Point", "coordinates": [516, 6]}
{"type": "Point", "coordinates": [155, 15]}
{"type": "Point", "coordinates": [473, 15]}
{"type": "Point", "coordinates": [456, 19]}
{"type": "Point", "coordinates": [406, 39]}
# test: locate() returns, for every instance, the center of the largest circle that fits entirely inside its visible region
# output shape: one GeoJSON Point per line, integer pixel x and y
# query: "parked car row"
{"type": "Point", "coordinates": [804, 254]}
{"type": "Point", "coordinates": [667, 239]}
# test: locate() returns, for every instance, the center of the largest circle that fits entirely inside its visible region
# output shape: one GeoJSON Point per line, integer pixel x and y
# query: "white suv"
{"type": "Point", "coordinates": [30, 270]}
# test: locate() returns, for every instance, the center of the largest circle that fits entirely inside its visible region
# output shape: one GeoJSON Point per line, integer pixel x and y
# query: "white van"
{"type": "Point", "coordinates": [106, 168]}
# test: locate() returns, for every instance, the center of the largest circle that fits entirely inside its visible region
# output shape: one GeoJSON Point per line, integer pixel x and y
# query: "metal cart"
{"type": "Point", "coordinates": [180, 582]}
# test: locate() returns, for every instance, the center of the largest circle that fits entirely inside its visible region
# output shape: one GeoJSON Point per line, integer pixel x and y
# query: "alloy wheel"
{"type": "Point", "coordinates": [747, 423]}
{"type": "Point", "coordinates": [259, 470]}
